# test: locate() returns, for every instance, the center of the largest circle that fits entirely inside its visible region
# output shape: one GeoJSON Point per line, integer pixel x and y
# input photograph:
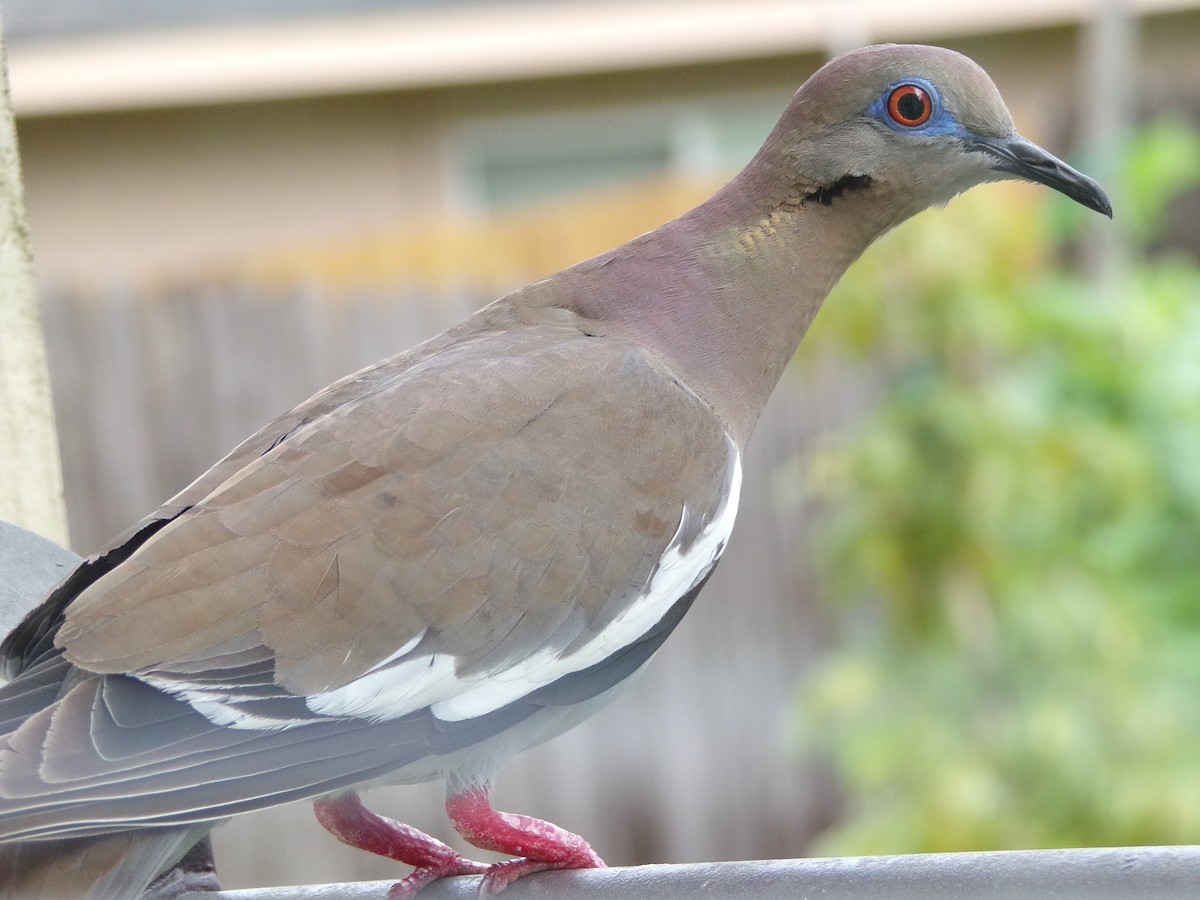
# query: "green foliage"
{"type": "Point", "coordinates": [1013, 535]}
{"type": "Point", "coordinates": [1160, 162]}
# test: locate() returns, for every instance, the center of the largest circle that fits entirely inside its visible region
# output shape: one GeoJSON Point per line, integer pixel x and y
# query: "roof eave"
{"type": "Point", "coordinates": [465, 45]}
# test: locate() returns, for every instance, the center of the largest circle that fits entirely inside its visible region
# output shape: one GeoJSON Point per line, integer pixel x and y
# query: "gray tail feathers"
{"type": "Point", "coordinates": [110, 867]}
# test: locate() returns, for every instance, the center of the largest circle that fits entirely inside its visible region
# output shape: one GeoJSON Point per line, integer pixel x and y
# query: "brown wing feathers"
{"type": "Point", "coordinates": [425, 513]}
{"type": "Point", "coordinates": [336, 550]}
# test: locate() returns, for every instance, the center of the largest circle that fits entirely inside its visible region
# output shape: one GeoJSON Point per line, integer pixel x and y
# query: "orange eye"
{"type": "Point", "coordinates": [909, 105]}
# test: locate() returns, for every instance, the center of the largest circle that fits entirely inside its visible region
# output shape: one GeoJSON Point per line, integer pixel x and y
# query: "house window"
{"type": "Point", "coordinates": [504, 163]}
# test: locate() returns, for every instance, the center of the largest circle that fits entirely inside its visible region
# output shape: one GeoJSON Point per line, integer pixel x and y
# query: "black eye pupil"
{"type": "Point", "coordinates": [911, 106]}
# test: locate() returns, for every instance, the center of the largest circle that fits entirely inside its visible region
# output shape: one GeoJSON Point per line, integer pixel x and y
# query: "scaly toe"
{"type": "Point", "coordinates": [500, 875]}
{"type": "Point", "coordinates": [409, 886]}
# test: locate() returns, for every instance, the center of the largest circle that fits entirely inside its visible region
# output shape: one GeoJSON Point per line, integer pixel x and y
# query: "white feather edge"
{"type": "Point", "coordinates": [390, 690]}
{"type": "Point", "coordinates": [677, 573]}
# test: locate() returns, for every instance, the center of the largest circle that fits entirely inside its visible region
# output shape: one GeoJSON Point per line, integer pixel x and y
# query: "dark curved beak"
{"type": "Point", "coordinates": [1024, 159]}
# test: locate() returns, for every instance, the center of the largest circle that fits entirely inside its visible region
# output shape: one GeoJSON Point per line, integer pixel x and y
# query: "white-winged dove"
{"type": "Point", "coordinates": [467, 548]}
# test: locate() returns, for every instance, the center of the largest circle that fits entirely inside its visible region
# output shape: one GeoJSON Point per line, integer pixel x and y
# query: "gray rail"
{"type": "Point", "coordinates": [1137, 873]}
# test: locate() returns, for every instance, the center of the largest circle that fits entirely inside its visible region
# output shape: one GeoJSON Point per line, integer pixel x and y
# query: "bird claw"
{"type": "Point", "coordinates": [545, 846]}
{"type": "Point", "coordinates": [541, 845]}
{"type": "Point", "coordinates": [423, 875]}
{"type": "Point", "coordinates": [500, 875]}
{"type": "Point", "coordinates": [349, 821]}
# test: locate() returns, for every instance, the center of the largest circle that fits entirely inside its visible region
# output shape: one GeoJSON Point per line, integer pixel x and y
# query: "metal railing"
{"type": "Point", "coordinates": [1144, 873]}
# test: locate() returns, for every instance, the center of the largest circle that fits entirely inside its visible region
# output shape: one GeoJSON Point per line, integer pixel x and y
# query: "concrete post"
{"type": "Point", "coordinates": [31, 492]}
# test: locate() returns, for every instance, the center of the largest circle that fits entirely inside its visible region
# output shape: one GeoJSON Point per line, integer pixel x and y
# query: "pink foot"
{"type": "Point", "coordinates": [539, 845]}
{"type": "Point", "coordinates": [350, 822]}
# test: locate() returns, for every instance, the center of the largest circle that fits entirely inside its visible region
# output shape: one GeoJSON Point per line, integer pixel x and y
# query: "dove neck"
{"type": "Point", "coordinates": [724, 294]}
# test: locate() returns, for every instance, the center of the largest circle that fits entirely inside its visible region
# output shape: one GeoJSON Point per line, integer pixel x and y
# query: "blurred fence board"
{"type": "Point", "coordinates": [692, 764]}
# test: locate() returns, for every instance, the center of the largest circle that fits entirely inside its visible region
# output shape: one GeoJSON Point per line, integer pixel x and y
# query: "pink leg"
{"type": "Point", "coordinates": [350, 822]}
{"type": "Point", "coordinates": [540, 845]}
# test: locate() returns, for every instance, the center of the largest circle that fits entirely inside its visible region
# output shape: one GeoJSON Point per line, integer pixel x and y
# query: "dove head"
{"type": "Point", "coordinates": [726, 292]}
{"type": "Point", "coordinates": [911, 126]}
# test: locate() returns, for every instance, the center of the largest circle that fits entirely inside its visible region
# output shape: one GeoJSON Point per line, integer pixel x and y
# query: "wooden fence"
{"type": "Point", "coordinates": [692, 764]}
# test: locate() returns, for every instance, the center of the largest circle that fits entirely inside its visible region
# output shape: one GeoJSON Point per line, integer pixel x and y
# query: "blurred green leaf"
{"type": "Point", "coordinates": [1162, 161]}
{"type": "Point", "coordinates": [1012, 537]}
{"type": "Point", "coordinates": [1159, 162]}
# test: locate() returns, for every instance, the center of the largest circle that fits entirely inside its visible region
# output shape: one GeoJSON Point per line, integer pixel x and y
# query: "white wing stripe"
{"type": "Point", "coordinates": [677, 574]}
{"type": "Point", "coordinates": [393, 689]}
